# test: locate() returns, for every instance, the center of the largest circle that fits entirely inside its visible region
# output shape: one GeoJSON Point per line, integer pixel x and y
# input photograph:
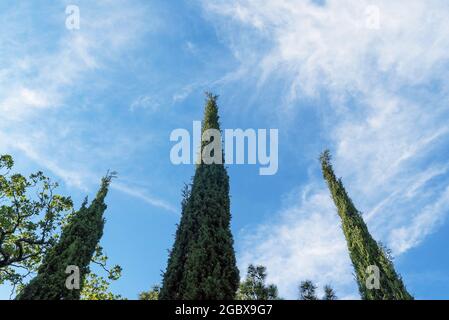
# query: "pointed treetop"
{"type": "Point", "coordinates": [105, 182]}
{"type": "Point", "coordinates": [211, 118]}
{"type": "Point", "coordinates": [325, 158]}
{"type": "Point", "coordinates": [326, 166]}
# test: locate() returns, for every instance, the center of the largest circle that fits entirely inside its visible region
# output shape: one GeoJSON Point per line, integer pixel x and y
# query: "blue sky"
{"type": "Point", "coordinates": [76, 103]}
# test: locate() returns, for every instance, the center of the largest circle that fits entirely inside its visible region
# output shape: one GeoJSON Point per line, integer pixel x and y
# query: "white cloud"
{"type": "Point", "coordinates": [184, 92]}
{"type": "Point", "coordinates": [387, 111]}
{"type": "Point", "coordinates": [305, 242]}
{"type": "Point", "coordinates": [143, 195]}
{"type": "Point", "coordinates": [39, 77]}
{"type": "Point", "coordinates": [145, 102]}
{"type": "Point", "coordinates": [20, 100]}
{"type": "Point", "coordinates": [331, 47]}
{"type": "Point", "coordinates": [424, 223]}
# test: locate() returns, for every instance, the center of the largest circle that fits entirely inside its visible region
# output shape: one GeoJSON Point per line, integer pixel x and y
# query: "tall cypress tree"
{"type": "Point", "coordinates": [202, 263]}
{"type": "Point", "coordinates": [364, 251]}
{"type": "Point", "coordinates": [76, 247]}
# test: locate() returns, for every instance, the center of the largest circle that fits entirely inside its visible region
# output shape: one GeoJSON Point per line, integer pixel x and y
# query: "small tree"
{"type": "Point", "coordinates": [329, 293]}
{"type": "Point", "coordinates": [254, 287]}
{"type": "Point", "coordinates": [307, 291]}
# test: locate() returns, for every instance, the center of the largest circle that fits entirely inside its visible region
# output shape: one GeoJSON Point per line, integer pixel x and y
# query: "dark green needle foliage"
{"type": "Point", "coordinates": [254, 287]}
{"type": "Point", "coordinates": [307, 291]}
{"type": "Point", "coordinates": [364, 251]}
{"type": "Point", "coordinates": [76, 247]}
{"type": "Point", "coordinates": [329, 293]}
{"type": "Point", "coordinates": [202, 263]}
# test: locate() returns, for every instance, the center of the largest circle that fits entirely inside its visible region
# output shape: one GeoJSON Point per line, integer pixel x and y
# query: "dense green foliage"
{"type": "Point", "coordinates": [363, 249]}
{"type": "Point", "coordinates": [30, 215]}
{"type": "Point", "coordinates": [76, 247]}
{"type": "Point", "coordinates": [254, 287]}
{"type": "Point", "coordinates": [202, 263]}
{"type": "Point", "coordinates": [153, 294]}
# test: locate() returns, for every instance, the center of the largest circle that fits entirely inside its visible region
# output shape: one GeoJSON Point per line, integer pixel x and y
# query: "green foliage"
{"type": "Point", "coordinates": [97, 287]}
{"type": "Point", "coordinates": [153, 294]}
{"type": "Point", "coordinates": [30, 215]}
{"type": "Point", "coordinates": [363, 249]}
{"type": "Point", "coordinates": [329, 293]}
{"type": "Point", "coordinates": [202, 262]}
{"type": "Point", "coordinates": [76, 247]}
{"type": "Point", "coordinates": [211, 117]}
{"type": "Point", "coordinates": [307, 291]}
{"type": "Point", "coordinates": [254, 287]}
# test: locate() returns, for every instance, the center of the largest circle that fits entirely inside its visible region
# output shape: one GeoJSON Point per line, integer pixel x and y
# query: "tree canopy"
{"type": "Point", "coordinates": [31, 214]}
{"type": "Point", "coordinates": [254, 286]}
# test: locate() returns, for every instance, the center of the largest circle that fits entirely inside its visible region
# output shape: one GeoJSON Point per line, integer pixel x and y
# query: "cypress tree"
{"type": "Point", "coordinates": [202, 264]}
{"type": "Point", "coordinates": [364, 251]}
{"type": "Point", "coordinates": [76, 247]}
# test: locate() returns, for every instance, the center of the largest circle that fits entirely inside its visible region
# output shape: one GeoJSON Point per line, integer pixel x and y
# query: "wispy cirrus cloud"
{"type": "Point", "coordinates": [385, 112]}
{"type": "Point", "coordinates": [43, 115]}
{"type": "Point", "coordinates": [303, 241]}
{"type": "Point", "coordinates": [143, 195]}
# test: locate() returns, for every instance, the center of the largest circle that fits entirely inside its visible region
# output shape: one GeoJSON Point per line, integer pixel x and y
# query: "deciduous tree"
{"type": "Point", "coordinates": [31, 212]}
